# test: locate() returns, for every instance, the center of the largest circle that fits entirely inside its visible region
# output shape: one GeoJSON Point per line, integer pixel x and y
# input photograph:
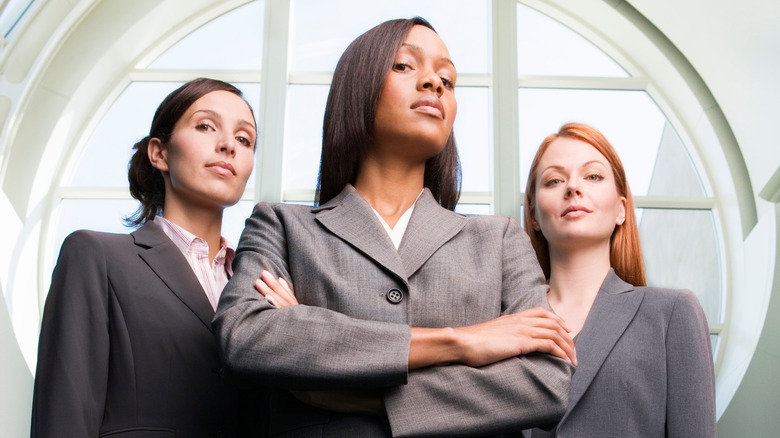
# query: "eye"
{"type": "Point", "coordinates": [401, 67]}
{"type": "Point", "coordinates": [204, 126]}
{"type": "Point", "coordinates": [244, 141]}
{"type": "Point", "coordinates": [552, 182]}
{"type": "Point", "coordinates": [448, 83]}
{"type": "Point", "coordinates": [594, 177]}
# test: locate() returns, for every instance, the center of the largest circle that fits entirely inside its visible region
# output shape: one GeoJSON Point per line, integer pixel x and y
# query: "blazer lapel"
{"type": "Point", "coordinates": [167, 262]}
{"type": "Point", "coordinates": [350, 217]}
{"type": "Point", "coordinates": [430, 227]}
{"type": "Point", "coordinates": [614, 308]}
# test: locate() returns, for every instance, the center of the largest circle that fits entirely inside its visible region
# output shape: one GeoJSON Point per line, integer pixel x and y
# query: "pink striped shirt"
{"type": "Point", "coordinates": [212, 276]}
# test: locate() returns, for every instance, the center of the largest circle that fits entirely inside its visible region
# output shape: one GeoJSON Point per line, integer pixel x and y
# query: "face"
{"type": "Point", "coordinates": [417, 106]}
{"type": "Point", "coordinates": [577, 201]}
{"type": "Point", "coordinates": [211, 152]}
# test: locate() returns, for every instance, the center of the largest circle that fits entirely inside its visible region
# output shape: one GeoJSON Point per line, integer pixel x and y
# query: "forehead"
{"type": "Point", "coordinates": [570, 151]}
{"type": "Point", "coordinates": [225, 103]}
{"type": "Point", "coordinates": [425, 39]}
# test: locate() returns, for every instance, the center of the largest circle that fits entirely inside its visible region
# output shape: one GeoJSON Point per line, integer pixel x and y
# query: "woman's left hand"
{"type": "Point", "coordinates": [275, 290]}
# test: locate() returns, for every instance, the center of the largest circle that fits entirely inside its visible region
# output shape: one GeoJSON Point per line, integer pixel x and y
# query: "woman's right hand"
{"type": "Point", "coordinates": [275, 290]}
{"type": "Point", "coordinates": [532, 330]}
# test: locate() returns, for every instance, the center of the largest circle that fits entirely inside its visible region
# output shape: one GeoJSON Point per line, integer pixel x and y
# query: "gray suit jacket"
{"type": "Point", "coordinates": [126, 347]}
{"type": "Point", "coordinates": [359, 298]}
{"type": "Point", "coordinates": [645, 367]}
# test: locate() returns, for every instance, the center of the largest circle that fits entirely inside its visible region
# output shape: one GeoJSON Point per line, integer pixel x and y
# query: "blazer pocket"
{"type": "Point", "coordinates": [140, 432]}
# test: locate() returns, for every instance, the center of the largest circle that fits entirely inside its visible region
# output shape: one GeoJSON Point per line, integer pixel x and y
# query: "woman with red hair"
{"type": "Point", "coordinates": [645, 362]}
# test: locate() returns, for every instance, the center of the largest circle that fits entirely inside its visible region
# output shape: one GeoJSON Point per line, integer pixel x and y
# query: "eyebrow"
{"type": "Point", "coordinates": [418, 49]}
{"type": "Point", "coordinates": [586, 164]}
{"type": "Point", "coordinates": [218, 116]}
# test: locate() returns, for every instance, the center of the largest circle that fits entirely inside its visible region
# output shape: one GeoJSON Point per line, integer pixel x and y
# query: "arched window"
{"type": "Point", "coordinates": [524, 68]}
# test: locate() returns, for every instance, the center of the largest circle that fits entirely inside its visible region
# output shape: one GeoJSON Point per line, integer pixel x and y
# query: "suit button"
{"type": "Point", "coordinates": [395, 296]}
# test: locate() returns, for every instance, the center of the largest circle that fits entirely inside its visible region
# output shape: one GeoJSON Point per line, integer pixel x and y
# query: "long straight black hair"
{"type": "Point", "coordinates": [348, 126]}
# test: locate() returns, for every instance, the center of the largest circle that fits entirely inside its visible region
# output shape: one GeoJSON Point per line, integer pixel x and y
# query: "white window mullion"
{"type": "Point", "coordinates": [273, 96]}
{"type": "Point", "coordinates": [506, 164]}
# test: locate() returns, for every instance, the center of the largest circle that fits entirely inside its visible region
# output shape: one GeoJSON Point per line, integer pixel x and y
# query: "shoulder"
{"type": "Point", "coordinates": [274, 212]}
{"type": "Point", "coordinates": [496, 223]}
{"type": "Point", "coordinates": [88, 241]}
{"type": "Point", "coordinates": [672, 303]}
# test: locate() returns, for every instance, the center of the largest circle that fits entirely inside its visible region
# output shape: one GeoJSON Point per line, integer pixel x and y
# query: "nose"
{"type": "Point", "coordinates": [227, 144]}
{"type": "Point", "coordinates": [573, 189]}
{"type": "Point", "coordinates": [431, 81]}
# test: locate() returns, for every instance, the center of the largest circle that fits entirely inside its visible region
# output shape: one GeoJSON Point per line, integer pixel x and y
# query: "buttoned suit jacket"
{"type": "Point", "coordinates": [645, 367]}
{"type": "Point", "coordinates": [359, 297]}
{"type": "Point", "coordinates": [126, 346]}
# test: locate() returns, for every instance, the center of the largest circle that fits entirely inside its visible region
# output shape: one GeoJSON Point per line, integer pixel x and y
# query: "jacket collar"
{"type": "Point", "coordinates": [167, 262]}
{"type": "Point", "coordinates": [615, 306]}
{"type": "Point", "coordinates": [350, 217]}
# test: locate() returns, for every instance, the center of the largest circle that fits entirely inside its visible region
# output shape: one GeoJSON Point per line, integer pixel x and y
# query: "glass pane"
{"type": "Point", "coordinates": [472, 136]}
{"type": "Point", "coordinates": [105, 158]}
{"type": "Point", "coordinates": [630, 120]}
{"type": "Point", "coordinates": [714, 343]}
{"type": "Point", "coordinates": [12, 13]}
{"type": "Point", "coordinates": [673, 173]}
{"type": "Point", "coordinates": [233, 220]}
{"type": "Point", "coordinates": [303, 136]}
{"type": "Point", "coordinates": [232, 41]}
{"type": "Point", "coordinates": [546, 47]}
{"type": "Point", "coordinates": [91, 214]}
{"type": "Point", "coordinates": [483, 209]}
{"type": "Point", "coordinates": [322, 30]}
{"type": "Point", "coordinates": [681, 251]}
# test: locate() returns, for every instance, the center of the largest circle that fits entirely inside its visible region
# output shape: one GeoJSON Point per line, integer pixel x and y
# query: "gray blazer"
{"type": "Point", "coordinates": [126, 346]}
{"type": "Point", "coordinates": [359, 298]}
{"type": "Point", "coordinates": [645, 367]}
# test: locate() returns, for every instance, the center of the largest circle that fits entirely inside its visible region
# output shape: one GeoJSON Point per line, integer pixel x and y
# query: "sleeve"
{"type": "Point", "coordinates": [72, 370]}
{"type": "Point", "coordinates": [299, 347]}
{"type": "Point", "coordinates": [690, 407]}
{"type": "Point", "coordinates": [514, 394]}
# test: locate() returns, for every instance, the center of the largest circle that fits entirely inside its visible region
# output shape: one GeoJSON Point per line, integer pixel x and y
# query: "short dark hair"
{"type": "Point", "coordinates": [146, 182]}
{"type": "Point", "coordinates": [348, 125]}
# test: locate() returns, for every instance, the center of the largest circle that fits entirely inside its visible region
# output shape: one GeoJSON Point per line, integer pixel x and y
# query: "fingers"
{"type": "Point", "coordinates": [275, 290]}
{"type": "Point", "coordinates": [544, 331]}
{"type": "Point", "coordinates": [551, 331]}
{"type": "Point", "coordinates": [541, 312]}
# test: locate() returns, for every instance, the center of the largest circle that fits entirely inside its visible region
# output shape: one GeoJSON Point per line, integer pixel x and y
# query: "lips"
{"type": "Point", "coordinates": [430, 105]}
{"type": "Point", "coordinates": [575, 211]}
{"type": "Point", "coordinates": [222, 168]}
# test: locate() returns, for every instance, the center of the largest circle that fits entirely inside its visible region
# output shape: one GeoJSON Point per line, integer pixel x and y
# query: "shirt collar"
{"type": "Point", "coordinates": [187, 242]}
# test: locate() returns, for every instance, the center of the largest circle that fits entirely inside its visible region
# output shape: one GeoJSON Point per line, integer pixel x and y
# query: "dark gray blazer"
{"type": "Point", "coordinates": [126, 347]}
{"type": "Point", "coordinates": [645, 367]}
{"type": "Point", "coordinates": [359, 298]}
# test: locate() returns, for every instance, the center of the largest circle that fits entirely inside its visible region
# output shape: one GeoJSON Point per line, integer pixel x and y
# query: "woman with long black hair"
{"type": "Point", "coordinates": [413, 319]}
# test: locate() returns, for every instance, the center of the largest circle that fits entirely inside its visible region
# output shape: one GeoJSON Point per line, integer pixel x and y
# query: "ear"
{"type": "Point", "coordinates": [621, 214]}
{"type": "Point", "coordinates": [534, 222]}
{"type": "Point", "coordinates": [158, 155]}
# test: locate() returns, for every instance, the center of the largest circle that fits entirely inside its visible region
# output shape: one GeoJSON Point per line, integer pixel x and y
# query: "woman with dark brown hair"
{"type": "Point", "coordinates": [412, 319]}
{"type": "Point", "coordinates": [645, 363]}
{"type": "Point", "coordinates": [126, 346]}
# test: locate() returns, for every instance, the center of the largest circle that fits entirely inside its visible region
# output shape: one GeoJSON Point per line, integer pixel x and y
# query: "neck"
{"type": "Point", "coordinates": [389, 186]}
{"type": "Point", "coordinates": [576, 275]}
{"type": "Point", "coordinates": [204, 223]}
